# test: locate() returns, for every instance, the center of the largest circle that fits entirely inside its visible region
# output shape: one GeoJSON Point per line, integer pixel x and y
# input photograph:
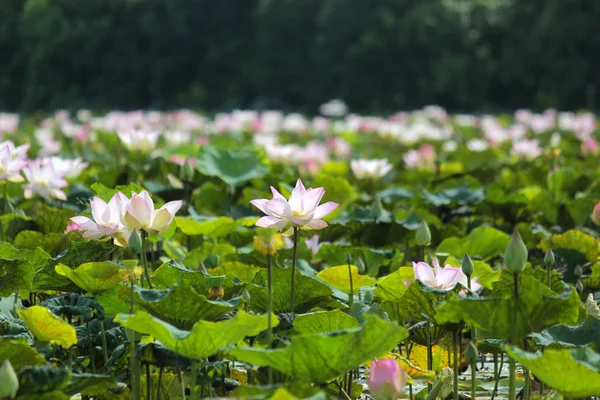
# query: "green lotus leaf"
{"type": "Point", "coordinates": [573, 240]}
{"type": "Point", "coordinates": [90, 385]}
{"type": "Point", "coordinates": [94, 277]}
{"type": "Point", "coordinates": [337, 189]}
{"type": "Point", "coordinates": [106, 193]}
{"type": "Point", "coordinates": [111, 300]}
{"type": "Point", "coordinates": [205, 337]}
{"type": "Point", "coordinates": [323, 322]}
{"type": "Point", "coordinates": [16, 275]}
{"type": "Point", "coordinates": [20, 353]}
{"type": "Point", "coordinates": [194, 258]}
{"type": "Point", "coordinates": [52, 243]}
{"type": "Point", "coordinates": [46, 327]}
{"type": "Point", "coordinates": [13, 224]}
{"type": "Point", "coordinates": [572, 372]}
{"type": "Point", "coordinates": [232, 166]}
{"type": "Point", "coordinates": [235, 270]}
{"type": "Point", "coordinates": [36, 257]}
{"type": "Point", "coordinates": [339, 278]}
{"type": "Point", "coordinates": [392, 287]}
{"type": "Point", "coordinates": [483, 242]}
{"type": "Point", "coordinates": [593, 282]}
{"type": "Point", "coordinates": [214, 227]}
{"type": "Point", "coordinates": [586, 333]}
{"type": "Point", "coordinates": [334, 254]}
{"type": "Point", "coordinates": [310, 292]}
{"type": "Point", "coordinates": [54, 395]}
{"type": "Point", "coordinates": [179, 305]}
{"type": "Point", "coordinates": [539, 308]}
{"type": "Point", "coordinates": [42, 379]}
{"type": "Point", "coordinates": [73, 305]}
{"type": "Point", "coordinates": [485, 275]}
{"type": "Point", "coordinates": [321, 357]}
{"type": "Point", "coordinates": [419, 302]}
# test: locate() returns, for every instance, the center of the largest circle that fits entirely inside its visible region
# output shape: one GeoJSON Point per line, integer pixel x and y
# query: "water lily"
{"type": "Point", "coordinates": [370, 169]}
{"type": "Point", "coordinates": [140, 214]}
{"type": "Point", "coordinates": [107, 219]}
{"type": "Point", "coordinates": [442, 278]}
{"type": "Point", "coordinates": [386, 379]}
{"type": "Point", "coordinates": [302, 210]}
{"type": "Point", "coordinates": [44, 180]}
{"type": "Point", "coordinates": [12, 160]}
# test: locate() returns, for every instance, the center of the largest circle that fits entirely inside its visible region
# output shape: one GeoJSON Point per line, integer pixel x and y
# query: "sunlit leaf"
{"type": "Point", "coordinates": [46, 327]}
{"type": "Point", "coordinates": [94, 277]}
{"type": "Point", "coordinates": [339, 278]}
{"type": "Point", "coordinates": [323, 322]}
{"type": "Point", "coordinates": [483, 242]}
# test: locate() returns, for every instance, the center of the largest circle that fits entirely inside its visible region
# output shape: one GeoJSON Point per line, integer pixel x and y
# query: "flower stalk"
{"type": "Point", "coordinates": [294, 257]}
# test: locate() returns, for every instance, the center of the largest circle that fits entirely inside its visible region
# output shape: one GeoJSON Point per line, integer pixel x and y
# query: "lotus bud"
{"type": "Point", "coordinates": [348, 259]}
{"type": "Point", "coordinates": [386, 379]}
{"type": "Point", "coordinates": [246, 296]}
{"type": "Point", "coordinates": [471, 354]}
{"type": "Point", "coordinates": [579, 286]}
{"type": "Point", "coordinates": [467, 265]}
{"type": "Point", "coordinates": [377, 209]}
{"type": "Point", "coordinates": [186, 172]}
{"type": "Point", "coordinates": [360, 265]}
{"type": "Point", "coordinates": [578, 271]}
{"type": "Point", "coordinates": [423, 236]}
{"type": "Point", "coordinates": [9, 382]}
{"type": "Point", "coordinates": [515, 255]}
{"type": "Point", "coordinates": [135, 241]}
{"type": "Point", "coordinates": [549, 258]}
{"type": "Point", "coordinates": [596, 214]}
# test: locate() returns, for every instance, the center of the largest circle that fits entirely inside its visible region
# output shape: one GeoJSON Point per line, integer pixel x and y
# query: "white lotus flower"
{"type": "Point", "coordinates": [370, 169]}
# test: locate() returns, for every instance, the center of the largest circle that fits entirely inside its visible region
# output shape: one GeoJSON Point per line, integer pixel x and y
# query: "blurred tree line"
{"type": "Point", "coordinates": [378, 55]}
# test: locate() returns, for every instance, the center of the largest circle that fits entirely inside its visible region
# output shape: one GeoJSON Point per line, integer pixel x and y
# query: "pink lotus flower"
{"type": "Point", "coordinates": [107, 219]}
{"type": "Point", "coordinates": [526, 148]}
{"type": "Point", "coordinates": [8, 122]}
{"type": "Point", "coordinates": [386, 379]}
{"type": "Point", "coordinates": [12, 160]}
{"type": "Point", "coordinates": [140, 214]}
{"type": "Point", "coordinates": [423, 158]}
{"type": "Point", "coordinates": [589, 147]}
{"type": "Point", "coordinates": [43, 180]}
{"type": "Point", "coordinates": [74, 227]}
{"type": "Point", "coordinates": [301, 211]}
{"type": "Point", "coordinates": [443, 279]}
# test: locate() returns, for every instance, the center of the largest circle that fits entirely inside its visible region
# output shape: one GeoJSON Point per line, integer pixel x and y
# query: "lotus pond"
{"type": "Point", "coordinates": [262, 255]}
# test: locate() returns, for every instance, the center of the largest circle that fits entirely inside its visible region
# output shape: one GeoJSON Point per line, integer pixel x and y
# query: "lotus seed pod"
{"type": "Point", "coordinates": [467, 265]}
{"type": "Point", "coordinates": [549, 258]}
{"type": "Point", "coordinates": [471, 354]}
{"type": "Point", "coordinates": [423, 236]}
{"type": "Point", "coordinates": [135, 241]}
{"type": "Point", "coordinates": [515, 255]}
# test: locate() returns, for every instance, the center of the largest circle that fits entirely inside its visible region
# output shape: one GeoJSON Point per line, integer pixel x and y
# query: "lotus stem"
{"type": "Point", "coordinates": [294, 256]}
{"type": "Point", "coordinates": [429, 355]}
{"type": "Point", "coordinates": [455, 356]}
{"type": "Point", "coordinates": [104, 346]}
{"type": "Point", "coordinates": [513, 340]}
{"type": "Point", "coordinates": [144, 258]}
{"type": "Point", "coordinates": [193, 392]}
{"type": "Point", "coordinates": [473, 386]}
{"type": "Point", "coordinates": [497, 373]}
{"type": "Point", "coordinates": [181, 383]}
{"type": "Point", "coordinates": [269, 312]}
{"type": "Point", "coordinates": [527, 390]}
{"type": "Point", "coordinates": [91, 348]}
{"type": "Point", "coordinates": [160, 374]}
{"type": "Point", "coordinates": [148, 382]}
{"type": "Point", "coordinates": [351, 300]}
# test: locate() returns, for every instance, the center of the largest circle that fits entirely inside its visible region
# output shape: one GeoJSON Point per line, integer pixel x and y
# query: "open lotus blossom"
{"type": "Point", "coordinates": [443, 279]}
{"type": "Point", "coordinates": [302, 210]}
{"type": "Point", "coordinates": [386, 379]}
{"type": "Point", "coordinates": [12, 160]}
{"type": "Point", "coordinates": [140, 214]}
{"type": "Point", "coordinates": [69, 168]}
{"type": "Point", "coordinates": [370, 169]}
{"type": "Point", "coordinates": [139, 140]}
{"type": "Point", "coordinates": [107, 219]}
{"type": "Point", "coordinates": [44, 180]}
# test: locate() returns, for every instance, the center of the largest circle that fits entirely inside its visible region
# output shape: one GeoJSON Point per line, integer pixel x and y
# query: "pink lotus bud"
{"type": "Point", "coordinates": [589, 147]}
{"type": "Point", "coordinates": [596, 215]}
{"type": "Point", "coordinates": [386, 379]}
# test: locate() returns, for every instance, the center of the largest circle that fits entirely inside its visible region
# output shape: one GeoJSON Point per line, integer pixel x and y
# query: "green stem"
{"type": "Point", "coordinates": [513, 340]}
{"type": "Point", "coordinates": [145, 259]}
{"type": "Point", "coordinates": [104, 346]}
{"type": "Point", "coordinates": [294, 256]}
{"type": "Point", "coordinates": [429, 355]}
{"type": "Point", "coordinates": [135, 374]}
{"type": "Point", "coordinates": [473, 386]}
{"type": "Point", "coordinates": [548, 274]}
{"type": "Point", "coordinates": [91, 348]}
{"type": "Point", "coordinates": [455, 350]}
{"type": "Point", "coordinates": [351, 286]}
{"type": "Point", "coordinates": [194, 378]}
{"type": "Point", "coordinates": [160, 374]}
{"type": "Point", "coordinates": [148, 382]}
{"type": "Point", "coordinates": [181, 383]}
{"type": "Point", "coordinates": [497, 373]}
{"type": "Point", "coordinates": [527, 391]}
{"type": "Point", "coordinates": [269, 312]}
{"type": "Point", "coordinates": [473, 333]}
